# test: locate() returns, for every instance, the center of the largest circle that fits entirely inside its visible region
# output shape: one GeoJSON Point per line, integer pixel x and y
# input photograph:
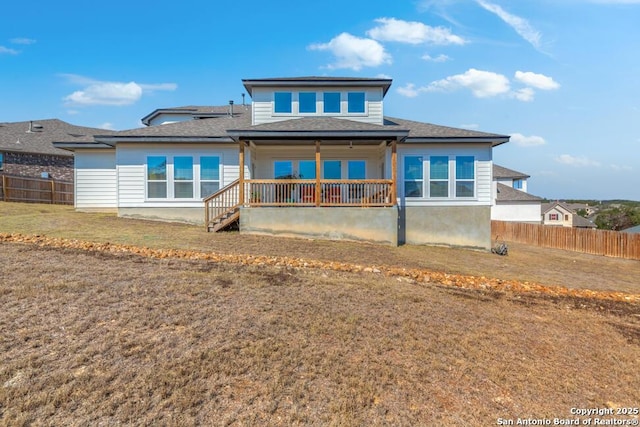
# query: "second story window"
{"type": "Point", "coordinates": [307, 102]}
{"type": "Point", "coordinates": [331, 102]}
{"type": "Point", "coordinates": [517, 184]}
{"type": "Point", "coordinates": [282, 102]}
{"type": "Point", "coordinates": [355, 102]}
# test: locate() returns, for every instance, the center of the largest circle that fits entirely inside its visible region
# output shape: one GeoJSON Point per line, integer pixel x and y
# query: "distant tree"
{"type": "Point", "coordinates": [582, 212]}
{"type": "Point", "coordinates": [618, 218]}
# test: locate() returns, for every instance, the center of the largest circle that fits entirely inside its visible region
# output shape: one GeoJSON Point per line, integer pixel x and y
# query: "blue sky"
{"type": "Point", "coordinates": [560, 76]}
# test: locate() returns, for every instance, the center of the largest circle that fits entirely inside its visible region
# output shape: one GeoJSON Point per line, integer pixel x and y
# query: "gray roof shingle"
{"type": "Point", "coordinates": [509, 194]}
{"type": "Point", "coordinates": [16, 136]}
{"type": "Point", "coordinates": [502, 172]}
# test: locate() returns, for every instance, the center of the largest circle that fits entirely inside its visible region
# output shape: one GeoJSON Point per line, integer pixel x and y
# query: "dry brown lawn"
{"type": "Point", "coordinates": [526, 263]}
{"type": "Point", "coordinates": [99, 339]}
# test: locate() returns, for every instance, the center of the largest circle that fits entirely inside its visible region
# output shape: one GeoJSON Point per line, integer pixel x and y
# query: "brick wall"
{"type": "Point", "coordinates": [33, 165]}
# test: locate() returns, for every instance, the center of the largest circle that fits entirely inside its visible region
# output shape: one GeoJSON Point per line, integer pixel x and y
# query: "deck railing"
{"type": "Point", "coordinates": [330, 192]}
{"type": "Point", "coordinates": [221, 202]}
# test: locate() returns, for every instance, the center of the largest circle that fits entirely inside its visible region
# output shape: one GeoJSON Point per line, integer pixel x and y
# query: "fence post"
{"type": "Point", "coordinates": [5, 190]}
{"type": "Point", "coordinates": [53, 191]}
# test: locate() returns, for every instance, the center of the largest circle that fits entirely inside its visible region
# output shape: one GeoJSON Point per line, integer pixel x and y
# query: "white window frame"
{"type": "Point", "coordinates": [170, 180]}
{"type": "Point", "coordinates": [427, 190]}
{"type": "Point", "coordinates": [201, 180]}
{"type": "Point", "coordinates": [474, 181]}
{"type": "Point", "coordinates": [451, 177]}
{"type": "Point", "coordinates": [281, 113]}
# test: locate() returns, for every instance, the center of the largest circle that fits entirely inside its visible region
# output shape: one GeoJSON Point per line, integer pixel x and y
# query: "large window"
{"type": "Point", "coordinates": [331, 102]}
{"type": "Point", "coordinates": [209, 175]}
{"type": "Point", "coordinates": [307, 169]}
{"type": "Point", "coordinates": [157, 177]}
{"type": "Point", "coordinates": [307, 102]}
{"type": "Point", "coordinates": [413, 176]}
{"type": "Point", "coordinates": [439, 176]}
{"type": "Point", "coordinates": [465, 176]}
{"type": "Point", "coordinates": [356, 169]}
{"type": "Point", "coordinates": [355, 102]}
{"type": "Point", "coordinates": [183, 177]}
{"type": "Point", "coordinates": [332, 169]}
{"type": "Point", "coordinates": [282, 102]}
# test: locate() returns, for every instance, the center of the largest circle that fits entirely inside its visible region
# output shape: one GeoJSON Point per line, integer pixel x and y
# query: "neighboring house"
{"type": "Point", "coordinates": [26, 148]}
{"type": "Point", "coordinates": [560, 214]}
{"type": "Point", "coordinates": [310, 157]}
{"type": "Point", "coordinates": [512, 202]}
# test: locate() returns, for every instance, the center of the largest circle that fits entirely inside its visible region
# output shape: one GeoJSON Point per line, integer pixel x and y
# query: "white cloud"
{"type": "Point", "coordinates": [525, 94]}
{"type": "Point", "coordinates": [98, 92]}
{"type": "Point", "coordinates": [439, 58]}
{"type": "Point", "coordinates": [8, 51]}
{"type": "Point", "coordinates": [22, 40]}
{"type": "Point", "coordinates": [539, 81]}
{"type": "Point", "coordinates": [396, 30]}
{"type": "Point", "coordinates": [482, 84]}
{"type": "Point", "coordinates": [106, 125]}
{"type": "Point", "coordinates": [409, 90]}
{"type": "Point", "coordinates": [567, 159]}
{"type": "Point", "coordinates": [520, 25]}
{"type": "Point", "coordinates": [527, 141]}
{"type": "Point", "coordinates": [354, 52]}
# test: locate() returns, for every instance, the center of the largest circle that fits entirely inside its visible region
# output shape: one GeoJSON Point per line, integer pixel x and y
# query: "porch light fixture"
{"type": "Point", "coordinates": [350, 144]}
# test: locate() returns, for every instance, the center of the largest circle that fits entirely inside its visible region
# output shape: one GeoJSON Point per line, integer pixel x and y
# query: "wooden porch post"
{"type": "Point", "coordinates": [318, 170]}
{"type": "Point", "coordinates": [394, 173]}
{"type": "Point", "coordinates": [241, 174]}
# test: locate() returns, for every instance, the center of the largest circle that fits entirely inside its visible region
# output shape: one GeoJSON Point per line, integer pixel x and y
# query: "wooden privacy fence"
{"type": "Point", "coordinates": [597, 242]}
{"type": "Point", "coordinates": [35, 190]}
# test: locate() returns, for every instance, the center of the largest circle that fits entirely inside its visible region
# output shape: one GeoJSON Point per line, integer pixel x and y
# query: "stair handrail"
{"type": "Point", "coordinates": [221, 202]}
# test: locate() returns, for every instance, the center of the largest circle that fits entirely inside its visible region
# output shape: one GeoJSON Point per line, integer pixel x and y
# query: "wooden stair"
{"type": "Point", "coordinates": [222, 208]}
{"type": "Point", "coordinates": [224, 221]}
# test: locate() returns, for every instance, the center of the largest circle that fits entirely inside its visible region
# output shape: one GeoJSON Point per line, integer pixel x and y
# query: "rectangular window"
{"type": "Point", "coordinates": [439, 176]}
{"type": "Point", "coordinates": [282, 102]}
{"type": "Point", "coordinates": [331, 102]}
{"type": "Point", "coordinates": [282, 169]}
{"type": "Point", "coordinates": [517, 184]}
{"type": "Point", "coordinates": [157, 177]}
{"type": "Point", "coordinates": [413, 176]}
{"type": "Point", "coordinates": [465, 176]}
{"type": "Point", "coordinates": [1, 161]}
{"type": "Point", "coordinates": [553, 217]}
{"type": "Point", "coordinates": [183, 177]}
{"type": "Point", "coordinates": [209, 175]}
{"type": "Point", "coordinates": [356, 169]}
{"type": "Point", "coordinates": [355, 102]}
{"type": "Point", "coordinates": [307, 102]}
{"type": "Point", "coordinates": [332, 169]}
{"type": "Point", "coordinates": [307, 169]}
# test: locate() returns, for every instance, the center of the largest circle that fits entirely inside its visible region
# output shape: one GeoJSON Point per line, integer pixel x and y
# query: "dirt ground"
{"type": "Point", "coordinates": [100, 338]}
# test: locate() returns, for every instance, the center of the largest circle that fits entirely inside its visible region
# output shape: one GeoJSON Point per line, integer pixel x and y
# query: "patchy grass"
{"type": "Point", "coordinates": [525, 263]}
{"type": "Point", "coordinates": [92, 338]}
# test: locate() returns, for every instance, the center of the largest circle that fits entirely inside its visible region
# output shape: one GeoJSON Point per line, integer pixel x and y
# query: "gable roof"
{"type": "Point", "coordinates": [510, 194]}
{"type": "Point", "coordinates": [546, 207]}
{"type": "Point", "coordinates": [582, 222]}
{"type": "Point", "coordinates": [37, 136]}
{"type": "Point", "coordinates": [250, 84]}
{"type": "Point", "coordinates": [502, 172]}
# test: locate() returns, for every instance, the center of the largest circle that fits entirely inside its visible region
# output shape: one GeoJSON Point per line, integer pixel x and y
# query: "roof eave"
{"type": "Point", "coordinates": [249, 84]}
{"type": "Point", "coordinates": [313, 134]}
{"type": "Point", "coordinates": [495, 141]}
{"type": "Point", "coordinates": [164, 139]}
{"type": "Point", "coordinates": [73, 146]}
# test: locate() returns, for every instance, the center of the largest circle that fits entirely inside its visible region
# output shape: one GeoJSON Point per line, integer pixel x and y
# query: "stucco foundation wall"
{"type": "Point", "coordinates": [186, 215]}
{"type": "Point", "coordinates": [463, 226]}
{"type": "Point", "coordinates": [377, 225]}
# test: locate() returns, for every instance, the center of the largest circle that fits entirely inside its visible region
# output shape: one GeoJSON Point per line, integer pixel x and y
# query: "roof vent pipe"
{"type": "Point", "coordinates": [30, 127]}
{"type": "Point", "coordinates": [231, 108]}
{"type": "Point", "coordinates": [243, 99]}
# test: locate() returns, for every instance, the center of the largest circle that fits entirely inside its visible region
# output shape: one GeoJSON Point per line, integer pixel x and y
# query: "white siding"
{"type": "Point", "coordinates": [95, 179]}
{"type": "Point", "coordinates": [262, 104]}
{"type": "Point", "coordinates": [132, 158]}
{"type": "Point", "coordinates": [516, 211]}
{"type": "Point", "coordinates": [483, 172]}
